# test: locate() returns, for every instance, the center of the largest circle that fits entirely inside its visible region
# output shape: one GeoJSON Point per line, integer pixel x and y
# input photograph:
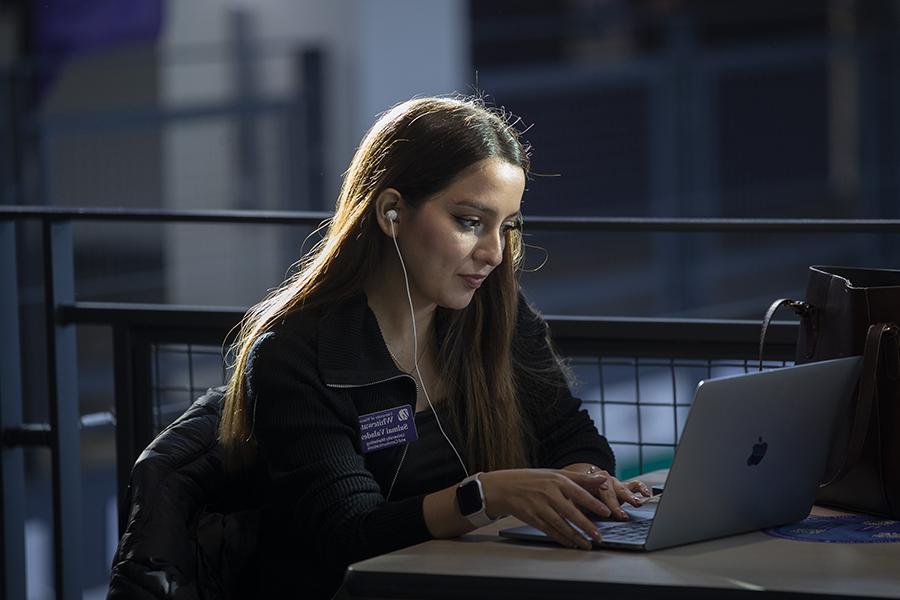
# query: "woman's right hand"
{"type": "Point", "coordinates": [550, 500]}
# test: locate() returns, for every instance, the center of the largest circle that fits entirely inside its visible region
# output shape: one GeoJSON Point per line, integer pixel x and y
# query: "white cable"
{"type": "Point", "coordinates": [412, 314]}
{"type": "Point", "coordinates": [397, 472]}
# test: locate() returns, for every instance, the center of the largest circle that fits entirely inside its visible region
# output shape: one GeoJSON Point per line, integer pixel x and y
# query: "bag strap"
{"type": "Point", "coordinates": [868, 383]}
{"type": "Point", "coordinates": [799, 307]}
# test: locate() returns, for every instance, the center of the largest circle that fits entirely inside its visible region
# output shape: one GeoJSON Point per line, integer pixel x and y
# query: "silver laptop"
{"type": "Point", "coordinates": [751, 455]}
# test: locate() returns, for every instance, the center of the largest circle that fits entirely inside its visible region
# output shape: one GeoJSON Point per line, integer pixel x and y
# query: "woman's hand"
{"type": "Point", "coordinates": [617, 492]}
{"type": "Point", "coordinates": [551, 500]}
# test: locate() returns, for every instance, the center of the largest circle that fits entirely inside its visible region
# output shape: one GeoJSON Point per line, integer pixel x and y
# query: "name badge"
{"type": "Point", "coordinates": [386, 428]}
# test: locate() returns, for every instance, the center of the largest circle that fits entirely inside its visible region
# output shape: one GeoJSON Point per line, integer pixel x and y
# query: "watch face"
{"type": "Point", "coordinates": [469, 498]}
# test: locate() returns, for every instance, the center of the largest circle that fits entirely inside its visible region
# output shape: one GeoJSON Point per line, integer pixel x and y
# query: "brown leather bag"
{"type": "Point", "coordinates": [848, 312]}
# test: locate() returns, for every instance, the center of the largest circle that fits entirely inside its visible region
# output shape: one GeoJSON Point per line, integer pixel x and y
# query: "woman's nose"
{"type": "Point", "coordinates": [491, 247]}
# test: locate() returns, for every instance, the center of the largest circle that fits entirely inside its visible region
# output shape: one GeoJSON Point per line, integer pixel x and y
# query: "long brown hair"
{"type": "Point", "coordinates": [418, 148]}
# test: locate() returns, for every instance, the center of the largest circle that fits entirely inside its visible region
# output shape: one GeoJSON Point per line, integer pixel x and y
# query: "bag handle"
{"type": "Point", "coordinates": [799, 307]}
{"type": "Point", "coordinates": [868, 383]}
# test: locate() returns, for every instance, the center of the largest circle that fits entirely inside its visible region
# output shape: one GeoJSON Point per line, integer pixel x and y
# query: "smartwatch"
{"type": "Point", "coordinates": [470, 498]}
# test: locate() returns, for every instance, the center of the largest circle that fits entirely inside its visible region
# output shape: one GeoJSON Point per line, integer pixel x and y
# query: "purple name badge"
{"type": "Point", "coordinates": [386, 428]}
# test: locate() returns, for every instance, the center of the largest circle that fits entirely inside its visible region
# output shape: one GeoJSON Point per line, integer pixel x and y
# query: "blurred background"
{"type": "Point", "coordinates": [633, 108]}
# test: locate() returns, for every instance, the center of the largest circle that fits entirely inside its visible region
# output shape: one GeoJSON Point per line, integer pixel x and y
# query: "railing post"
{"type": "Point", "coordinates": [141, 394]}
{"type": "Point", "coordinates": [8, 177]}
{"type": "Point", "coordinates": [134, 407]}
{"type": "Point", "coordinates": [126, 448]}
{"type": "Point", "coordinates": [62, 387]}
{"type": "Point", "coordinates": [313, 91]}
{"type": "Point", "coordinates": [305, 146]}
{"type": "Point", "coordinates": [12, 470]}
{"type": "Point", "coordinates": [247, 92]}
{"type": "Point", "coordinates": [665, 188]}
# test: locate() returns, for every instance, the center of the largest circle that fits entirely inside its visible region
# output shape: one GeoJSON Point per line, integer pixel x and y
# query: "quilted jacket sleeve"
{"type": "Point", "coordinates": [175, 477]}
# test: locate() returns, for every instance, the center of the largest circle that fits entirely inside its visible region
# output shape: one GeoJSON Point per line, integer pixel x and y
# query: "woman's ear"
{"type": "Point", "coordinates": [389, 203]}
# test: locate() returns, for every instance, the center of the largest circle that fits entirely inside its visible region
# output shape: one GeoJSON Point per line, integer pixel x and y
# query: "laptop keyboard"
{"type": "Point", "coordinates": [633, 532]}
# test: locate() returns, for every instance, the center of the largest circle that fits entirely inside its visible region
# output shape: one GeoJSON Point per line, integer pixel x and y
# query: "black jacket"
{"type": "Point", "coordinates": [309, 379]}
{"type": "Point", "coordinates": [192, 527]}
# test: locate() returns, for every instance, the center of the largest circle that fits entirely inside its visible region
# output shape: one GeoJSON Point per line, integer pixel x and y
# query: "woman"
{"type": "Point", "coordinates": [410, 303]}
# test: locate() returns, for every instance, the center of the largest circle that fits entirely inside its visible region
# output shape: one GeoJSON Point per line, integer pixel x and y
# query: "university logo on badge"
{"type": "Point", "coordinates": [387, 428]}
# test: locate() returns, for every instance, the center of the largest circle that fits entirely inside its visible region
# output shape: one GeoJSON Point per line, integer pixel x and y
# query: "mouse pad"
{"type": "Point", "coordinates": [841, 529]}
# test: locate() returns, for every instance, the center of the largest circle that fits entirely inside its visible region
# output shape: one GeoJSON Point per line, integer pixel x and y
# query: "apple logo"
{"type": "Point", "coordinates": [759, 451]}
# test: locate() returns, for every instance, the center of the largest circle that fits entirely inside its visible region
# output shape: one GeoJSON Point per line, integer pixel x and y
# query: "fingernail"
{"type": "Point", "coordinates": [603, 486]}
{"type": "Point", "coordinates": [596, 535]}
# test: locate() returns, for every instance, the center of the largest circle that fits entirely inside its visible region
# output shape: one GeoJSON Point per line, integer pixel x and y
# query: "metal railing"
{"type": "Point", "coordinates": [139, 328]}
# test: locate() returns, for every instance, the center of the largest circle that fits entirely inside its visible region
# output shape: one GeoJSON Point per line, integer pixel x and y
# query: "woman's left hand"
{"type": "Point", "coordinates": [616, 492]}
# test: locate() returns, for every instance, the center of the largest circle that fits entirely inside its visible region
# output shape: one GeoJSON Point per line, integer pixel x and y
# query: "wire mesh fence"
{"type": "Point", "coordinates": [639, 404]}
{"type": "Point", "coordinates": [179, 374]}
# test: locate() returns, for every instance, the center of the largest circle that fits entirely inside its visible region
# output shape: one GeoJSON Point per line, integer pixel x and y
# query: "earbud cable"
{"type": "Point", "coordinates": [412, 314]}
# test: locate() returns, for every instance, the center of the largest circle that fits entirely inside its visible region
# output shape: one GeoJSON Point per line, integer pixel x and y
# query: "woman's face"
{"type": "Point", "coordinates": [456, 237]}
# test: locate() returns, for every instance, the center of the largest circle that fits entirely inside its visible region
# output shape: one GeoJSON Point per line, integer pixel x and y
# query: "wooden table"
{"type": "Point", "coordinates": [483, 565]}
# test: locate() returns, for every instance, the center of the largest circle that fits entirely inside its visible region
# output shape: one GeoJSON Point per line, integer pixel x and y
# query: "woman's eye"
{"type": "Point", "coordinates": [468, 223]}
{"type": "Point", "coordinates": [473, 224]}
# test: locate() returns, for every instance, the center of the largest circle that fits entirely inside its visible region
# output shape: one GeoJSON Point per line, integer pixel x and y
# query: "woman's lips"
{"type": "Point", "coordinates": [473, 281]}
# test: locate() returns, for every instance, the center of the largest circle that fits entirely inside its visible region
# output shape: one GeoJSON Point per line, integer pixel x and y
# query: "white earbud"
{"type": "Point", "coordinates": [391, 215]}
